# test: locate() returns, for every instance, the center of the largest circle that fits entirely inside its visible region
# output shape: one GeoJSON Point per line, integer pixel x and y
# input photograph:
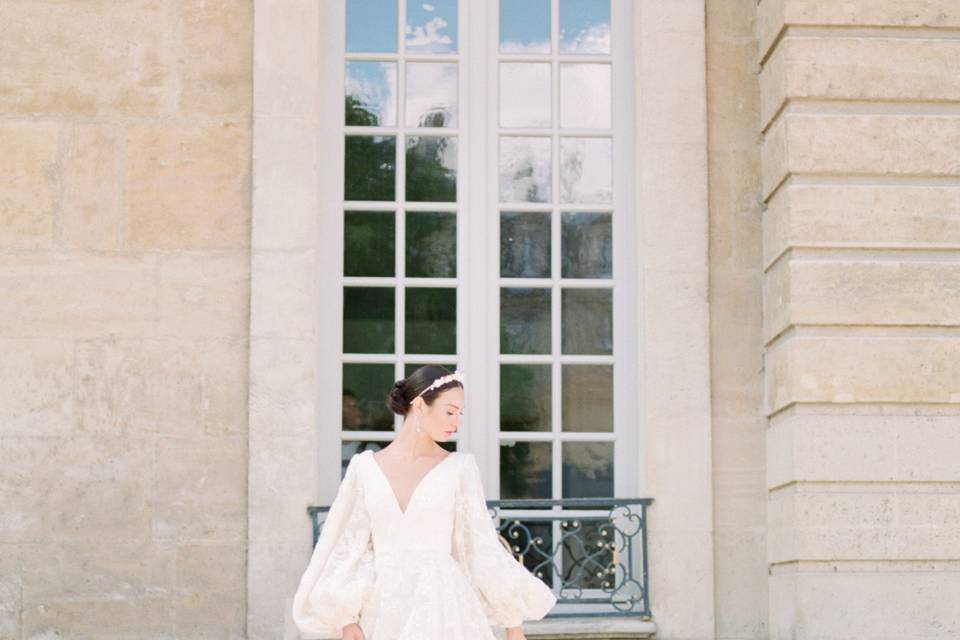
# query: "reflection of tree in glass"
{"type": "Point", "coordinates": [515, 458]}
{"type": "Point", "coordinates": [436, 117]}
{"type": "Point", "coordinates": [359, 114]}
{"type": "Point", "coordinates": [369, 171]}
{"type": "Point", "coordinates": [431, 244]}
{"type": "Point", "coordinates": [428, 178]}
{"type": "Point", "coordinates": [571, 171]}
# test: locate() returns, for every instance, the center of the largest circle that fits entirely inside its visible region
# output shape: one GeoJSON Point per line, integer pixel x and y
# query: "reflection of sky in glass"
{"type": "Point", "coordinates": [584, 26]}
{"type": "Point", "coordinates": [431, 94]}
{"type": "Point", "coordinates": [372, 26]}
{"type": "Point", "coordinates": [431, 26]}
{"type": "Point", "coordinates": [524, 26]}
{"type": "Point", "coordinates": [585, 95]}
{"type": "Point", "coordinates": [524, 94]}
{"type": "Point", "coordinates": [586, 166]}
{"type": "Point", "coordinates": [374, 86]}
{"type": "Point", "coordinates": [524, 169]}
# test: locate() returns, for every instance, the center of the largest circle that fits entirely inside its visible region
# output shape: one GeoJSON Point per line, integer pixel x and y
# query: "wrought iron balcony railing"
{"type": "Point", "coordinates": [591, 551]}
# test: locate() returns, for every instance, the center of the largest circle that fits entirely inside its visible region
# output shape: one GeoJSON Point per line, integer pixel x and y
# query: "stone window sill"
{"type": "Point", "coordinates": [589, 628]}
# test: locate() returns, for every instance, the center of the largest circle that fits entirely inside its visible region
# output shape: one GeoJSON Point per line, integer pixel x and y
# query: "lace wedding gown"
{"type": "Point", "coordinates": [436, 571]}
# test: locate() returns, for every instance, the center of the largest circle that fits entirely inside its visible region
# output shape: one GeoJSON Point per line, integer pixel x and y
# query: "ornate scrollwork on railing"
{"type": "Point", "coordinates": [591, 551]}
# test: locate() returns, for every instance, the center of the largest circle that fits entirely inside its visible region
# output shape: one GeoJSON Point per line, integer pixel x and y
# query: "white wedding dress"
{"type": "Point", "coordinates": [437, 571]}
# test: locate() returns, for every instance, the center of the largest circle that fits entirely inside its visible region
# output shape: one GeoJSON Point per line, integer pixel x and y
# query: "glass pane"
{"type": "Point", "coordinates": [587, 397]}
{"type": "Point", "coordinates": [372, 26]}
{"type": "Point", "coordinates": [525, 397]}
{"type": "Point", "coordinates": [368, 243]}
{"type": "Point", "coordinates": [368, 320]}
{"type": "Point", "coordinates": [369, 167]}
{"type": "Point", "coordinates": [525, 470]}
{"type": "Point", "coordinates": [524, 94]}
{"type": "Point", "coordinates": [525, 244]}
{"type": "Point", "coordinates": [431, 94]}
{"type": "Point", "coordinates": [524, 169]}
{"type": "Point", "coordinates": [364, 404]}
{"type": "Point", "coordinates": [431, 27]}
{"type": "Point", "coordinates": [532, 542]}
{"type": "Point", "coordinates": [586, 321]}
{"type": "Point", "coordinates": [371, 90]}
{"type": "Point", "coordinates": [524, 320]}
{"type": "Point", "coordinates": [431, 169]}
{"type": "Point", "coordinates": [431, 317]}
{"type": "Point", "coordinates": [585, 96]}
{"type": "Point", "coordinates": [587, 469]}
{"type": "Point", "coordinates": [584, 26]}
{"type": "Point", "coordinates": [586, 245]}
{"type": "Point", "coordinates": [431, 244]}
{"type": "Point", "coordinates": [586, 170]}
{"type": "Point", "coordinates": [524, 26]}
{"type": "Point", "coordinates": [350, 447]}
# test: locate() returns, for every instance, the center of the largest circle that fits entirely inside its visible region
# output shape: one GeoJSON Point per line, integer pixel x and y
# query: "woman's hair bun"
{"type": "Point", "coordinates": [395, 400]}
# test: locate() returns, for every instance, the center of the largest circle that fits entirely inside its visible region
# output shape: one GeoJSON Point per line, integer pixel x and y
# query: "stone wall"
{"type": "Point", "coordinates": [736, 350]}
{"type": "Point", "coordinates": [124, 301]}
{"type": "Point", "coordinates": [861, 285]}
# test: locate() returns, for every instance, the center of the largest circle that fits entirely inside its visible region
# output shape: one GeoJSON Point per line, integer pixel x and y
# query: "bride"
{"type": "Point", "coordinates": [408, 550]}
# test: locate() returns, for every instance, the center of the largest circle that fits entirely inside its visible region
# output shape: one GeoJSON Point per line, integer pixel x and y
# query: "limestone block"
{"type": "Point", "coordinates": [896, 367]}
{"type": "Point", "coordinates": [274, 570]}
{"type": "Point", "coordinates": [204, 294]}
{"type": "Point", "coordinates": [286, 68]}
{"type": "Point", "coordinates": [859, 68]}
{"type": "Point", "coordinates": [839, 143]}
{"type": "Point", "coordinates": [286, 485]}
{"type": "Point", "coordinates": [95, 58]}
{"type": "Point", "coordinates": [285, 194]}
{"type": "Point", "coordinates": [285, 286]}
{"type": "Point", "coordinates": [91, 209]}
{"type": "Point", "coordinates": [861, 215]}
{"type": "Point", "coordinates": [11, 585]}
{"type": "Point", "coordinates": [73, 295]}
{"type": "Point", "coordinates": [840, 601]}
{"type": "Point", "coordinates": [187, 186]}
{"type": "Point", "coordinates": [282, 386]}
{"type": "Point", "coordinates": [814, 288]}
{"type": "Point", "coordinates": [101, 618]}
{"type": "Point", "coordinates": [169, 386]}
{"type": "Point", "coordinates": [774, 15]}
{"type": "Point", "coordinates": [30, 170]}
{"type": "Point", "coordinates": [210, 590]}
{"type": "Point", "coordinates": [681, 581]}
{"type": "Point", "coordinates": [739, 493]}
{"type": "Point", "coordinates": [199, 490]}
{"type": "Point", "coordinates": [741, 607]}
{"type": "Point", "coordinates": [36, 386]}
{"type": "Point", "coordinates": [216, 61]}
{"type": "Point", "coordinates": [75, 487]}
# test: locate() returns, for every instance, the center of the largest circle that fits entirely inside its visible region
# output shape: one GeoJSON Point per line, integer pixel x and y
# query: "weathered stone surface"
{"type": "Point", "coordinates": [861, 144]}
{"type": "Point", "coordinates": [36, 395]}
{"type": "Point", "coordinates": [283, 286]}
{"type": "Point", "coordinates": [897, 367]}
{"type": "Point", "coordinates": [915, 216]}
{"type": "Point", "coordinates": [282, 377]}
{"type": "Point", "coordinates": [210, 590]}
{"type": "Point", "coordinates": [91, 58]}
{"type": "Point", "coordinates": [215, 64]}
{"type": "Point", "coordinates": [28, 191]}
{"type": "Point", "coordinates": [73, 295]}
{"type": "Point", "coordinates": [285, 64]}
{"type": "Point", "coordinates": [169, 386]}
{"type": "Point", "coordinates": [859, 68]}
{"type": "Point", "coordinates": [91, 209]}
{"type": "Point", "coordinates": [187, 186]}
{"type": "Point", "coordinates": [204, 295]}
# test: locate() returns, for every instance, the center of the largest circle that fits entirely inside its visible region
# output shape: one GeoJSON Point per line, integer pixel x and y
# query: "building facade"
{"type": "Point", "coordinates": [747, 313]}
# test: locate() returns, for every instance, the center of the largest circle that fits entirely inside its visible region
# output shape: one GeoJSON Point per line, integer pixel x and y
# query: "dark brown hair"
{"type": "Point", "coordinates": [404, 391]}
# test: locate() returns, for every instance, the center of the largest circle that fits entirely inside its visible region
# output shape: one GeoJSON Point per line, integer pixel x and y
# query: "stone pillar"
{"type": "Point", "coordinates": [861, 179]}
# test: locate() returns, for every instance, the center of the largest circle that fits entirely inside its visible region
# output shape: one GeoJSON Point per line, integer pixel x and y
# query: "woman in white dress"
{"type": "Point", "coordinates": [408, 550]}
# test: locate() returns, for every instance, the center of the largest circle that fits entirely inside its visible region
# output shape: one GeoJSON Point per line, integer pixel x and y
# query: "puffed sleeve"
{"type": "Point", "coordinates": [509, 593]}
{"type": "Point", "coordinates": [340, 573]}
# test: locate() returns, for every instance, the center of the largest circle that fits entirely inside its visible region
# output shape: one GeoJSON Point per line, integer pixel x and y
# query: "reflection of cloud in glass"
{"type": "Point", "coordinates": [431, 94]}
{"type": "Point", "coordinates": [372, 26]}
{"type": "Point", "coordinates": [524, 169]}
{"type": "Point", "coordinates": [585, 26]}
{"type": "Point", "coordinates": [524, 94]}
{"type": "Point", "coordinates": [525, 26]}
{"type": "Point", "coordinates": [431, 28]}
{"type": "Point", "coordinates": [373, 87]}
{"type": "Point", "coordinates": [586, 167]}
{"type": "Point", "coordinates": [585, 95]}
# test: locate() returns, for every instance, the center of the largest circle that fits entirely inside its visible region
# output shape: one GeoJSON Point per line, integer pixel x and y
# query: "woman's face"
{"type": "Point", "coordinates": [442, 419]}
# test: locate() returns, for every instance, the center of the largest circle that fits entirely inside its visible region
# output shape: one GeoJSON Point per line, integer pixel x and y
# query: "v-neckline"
{"type": "Point", "coordinates": [416, 487]}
